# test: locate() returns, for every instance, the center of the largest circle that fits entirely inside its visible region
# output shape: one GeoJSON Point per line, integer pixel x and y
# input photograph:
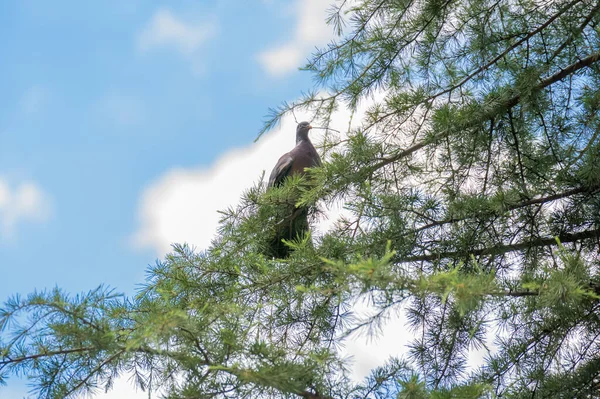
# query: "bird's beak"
{"type": "Point", "coordinates": [309, 127]}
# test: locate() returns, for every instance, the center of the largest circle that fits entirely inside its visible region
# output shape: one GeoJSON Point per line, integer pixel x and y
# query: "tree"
{"type": "Point", "coordinates": [472, 194]}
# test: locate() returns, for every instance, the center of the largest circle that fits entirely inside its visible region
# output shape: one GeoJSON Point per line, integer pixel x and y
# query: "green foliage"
{"type": "Point", "coordinates": [472, 207]}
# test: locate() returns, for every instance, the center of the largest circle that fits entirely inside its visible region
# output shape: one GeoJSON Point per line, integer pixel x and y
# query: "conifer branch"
{"type": "Point", "coordinates": [7, 360]}
{"type": "Point", "coordinates": [312, 395]}
{"type": "Point", "coordinates": [502, 249]}
{"type": "Point", "coordinates": [509, 103]}
{"type": "Point", "coordinates": [505, 52]}
{"type": "Point", "coordinates": [92, 373]}
{"type": "Point", "coordinates": [536, 201]}
{"type": "Point", "coordinates": [480, 143]}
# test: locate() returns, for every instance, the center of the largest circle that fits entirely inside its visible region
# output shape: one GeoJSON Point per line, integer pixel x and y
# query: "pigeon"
{"type": "Point", "coordinates": [303, 155]}
{"type": "Point", "coordinates": [295, 223]}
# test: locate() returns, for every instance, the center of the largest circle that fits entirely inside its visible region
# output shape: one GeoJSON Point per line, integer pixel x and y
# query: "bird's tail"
{"type": "Point", "coordinates": [292, 227]}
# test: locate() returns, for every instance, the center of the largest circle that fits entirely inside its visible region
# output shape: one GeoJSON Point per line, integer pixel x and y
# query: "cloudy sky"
{"type": "Point", "coordinates": [125, 125]}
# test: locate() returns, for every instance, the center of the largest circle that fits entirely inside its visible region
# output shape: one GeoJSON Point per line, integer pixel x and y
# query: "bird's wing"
{"type": "Point", "coordinates": [281, 170]}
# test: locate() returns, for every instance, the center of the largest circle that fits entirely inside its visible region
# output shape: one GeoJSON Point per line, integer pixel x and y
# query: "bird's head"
{"type": "Point", "coordinates": [302, 130]}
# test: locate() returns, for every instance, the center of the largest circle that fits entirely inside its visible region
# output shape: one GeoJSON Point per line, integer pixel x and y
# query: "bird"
{"type": "Point", "coordinates": [302, 156]}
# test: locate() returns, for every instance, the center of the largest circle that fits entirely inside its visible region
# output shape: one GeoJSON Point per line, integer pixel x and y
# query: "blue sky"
{"type": "Point", "coordinates": [101, 99]}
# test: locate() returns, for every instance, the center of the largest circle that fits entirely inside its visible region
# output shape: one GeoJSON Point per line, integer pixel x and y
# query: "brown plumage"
{"type": "Point", "coordinates": [302, 156]}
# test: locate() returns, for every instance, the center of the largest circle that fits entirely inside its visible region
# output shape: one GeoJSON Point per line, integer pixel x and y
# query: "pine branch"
{"type": "Point", "coordinates": [541, 200]}
{"type": "Point", "coordinates": [311, 395]}
{"type": "Point", "coordinates": [515, 293]}
{"type": "Point", "coordinates": [509, 103]}
{"type": "Point", "coordinates": [573, 35]}
{"type": "Point", "coordinates": [502, 249]}
{"type": "Point", "coordinates": [9, 360]}
{"type": "Point", "coordinates": [505, 52]}
{"type": "Point", "coordinates": [92, 373]}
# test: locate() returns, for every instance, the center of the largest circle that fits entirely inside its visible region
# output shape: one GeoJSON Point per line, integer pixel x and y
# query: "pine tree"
{"type": "Point", "coordinates": [472, 194]}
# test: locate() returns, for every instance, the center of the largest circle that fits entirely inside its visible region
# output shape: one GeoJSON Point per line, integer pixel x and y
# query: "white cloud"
{"type": "Point", "coordinates": [281, 60]}
{"type": "Point", "coordinates": [123, 389]}
{"type": "Point", "coordinates": [311, 30]}
{"type": "Point", "coordinates": [167, 30]}
{"type": "Point", "coordinates": [369, 352]}
{"type": "Point", "coordinates": [182, 204]}
{"type": "Point", "coordinates": [24, 202]}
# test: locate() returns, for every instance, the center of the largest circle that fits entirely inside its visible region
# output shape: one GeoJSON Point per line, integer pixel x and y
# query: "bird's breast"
{"type": "Point", "coordinates": [305, 158]}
